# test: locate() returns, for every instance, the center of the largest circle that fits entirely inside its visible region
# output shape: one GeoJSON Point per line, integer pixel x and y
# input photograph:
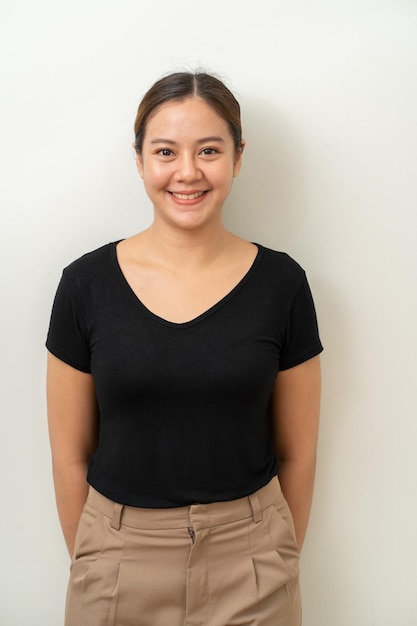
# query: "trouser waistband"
{"type": "Point", "coordinates": [197, 515]}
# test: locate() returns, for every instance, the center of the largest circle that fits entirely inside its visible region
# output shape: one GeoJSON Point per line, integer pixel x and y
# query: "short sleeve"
{"type": "Point", "coordinates": [302, 341]}
{"type": "Point", "coordinates": [67, 337]}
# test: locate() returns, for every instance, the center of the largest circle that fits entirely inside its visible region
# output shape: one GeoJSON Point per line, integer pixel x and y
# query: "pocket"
{"type": "Point", "coordinates": [280, 505]}
{"type": "Point", "coordinates": [275, 559]}
{"type": "Point", "coordinates": [86, 524]}
{"type": "Point", "coordinates": [282, 535]}
{"type": "Point", "coordinates": [94, 571]}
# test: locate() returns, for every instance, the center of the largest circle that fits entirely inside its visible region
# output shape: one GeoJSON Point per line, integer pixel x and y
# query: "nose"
{"type": "Point", "coordinates": [187, 169]}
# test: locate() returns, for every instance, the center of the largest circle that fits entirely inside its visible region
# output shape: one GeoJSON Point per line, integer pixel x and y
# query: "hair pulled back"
{"type": "Point", "coordinates": [182, 85]}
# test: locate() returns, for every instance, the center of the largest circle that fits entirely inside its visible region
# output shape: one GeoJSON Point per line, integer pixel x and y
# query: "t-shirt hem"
{"type": "Point", "coordinates": [147, 501]}
{"type": "Point", "coordinates": [304, 356]}
{"type": "Point", "coordinates": [62, 355]}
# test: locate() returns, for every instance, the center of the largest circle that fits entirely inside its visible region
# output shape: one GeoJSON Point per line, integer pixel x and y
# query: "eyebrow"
{"type": "Point", "coordinates": [170, 142]}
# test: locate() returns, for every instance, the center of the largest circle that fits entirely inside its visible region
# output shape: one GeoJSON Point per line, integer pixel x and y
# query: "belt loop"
{"type": "Point", "coordinates": [117, 516]}
{"type": "Point", "coordinates": [256, 508]}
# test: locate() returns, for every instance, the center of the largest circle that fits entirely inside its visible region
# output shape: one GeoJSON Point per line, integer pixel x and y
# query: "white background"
{"type": "Point", "coordinates": [329, 98]}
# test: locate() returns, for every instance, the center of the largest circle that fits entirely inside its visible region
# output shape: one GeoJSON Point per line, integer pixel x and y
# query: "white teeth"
{"type": "Point", "coordinates": [191, 196]}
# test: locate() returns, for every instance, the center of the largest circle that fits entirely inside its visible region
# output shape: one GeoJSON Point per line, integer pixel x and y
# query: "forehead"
{"type": "Point", "coordinates": [192, 117]}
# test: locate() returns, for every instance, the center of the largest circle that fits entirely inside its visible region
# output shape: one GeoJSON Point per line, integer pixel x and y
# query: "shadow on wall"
{"type": "Point", "coordinates": [268, 202]}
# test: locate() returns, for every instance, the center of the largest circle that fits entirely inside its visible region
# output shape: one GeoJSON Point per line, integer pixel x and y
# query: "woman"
{"type": "Point", "coordinates": [183, 375]}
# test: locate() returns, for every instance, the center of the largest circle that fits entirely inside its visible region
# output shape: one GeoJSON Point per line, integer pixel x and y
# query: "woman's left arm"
{"type": "Point", "coordinates": [295, 422]}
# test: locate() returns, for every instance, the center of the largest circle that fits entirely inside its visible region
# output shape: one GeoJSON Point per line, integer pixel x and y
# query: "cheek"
{"type": "Point", "coordinates": [220, 171]}
{"type": "Point", "coordinates": [224, 178]}
{"type": "Point", "coordinates": [155, 174]}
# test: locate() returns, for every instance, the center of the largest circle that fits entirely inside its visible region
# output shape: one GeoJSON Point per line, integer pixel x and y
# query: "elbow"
{"type": "Point", "coordinates": [306, 462]}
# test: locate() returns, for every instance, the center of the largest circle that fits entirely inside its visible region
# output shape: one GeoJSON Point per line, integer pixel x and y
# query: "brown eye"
{"type": "Point", "coordinates": [209, 151]}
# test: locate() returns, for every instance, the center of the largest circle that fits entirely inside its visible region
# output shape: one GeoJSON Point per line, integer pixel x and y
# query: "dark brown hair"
{"type": "Point", "coordinates": [182, 85]}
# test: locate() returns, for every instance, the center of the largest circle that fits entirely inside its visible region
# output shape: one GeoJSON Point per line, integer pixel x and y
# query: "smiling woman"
{"type": "Point", "coordinates": [183, 394]}
{"type": "Point", "coordinates": [187, 161]}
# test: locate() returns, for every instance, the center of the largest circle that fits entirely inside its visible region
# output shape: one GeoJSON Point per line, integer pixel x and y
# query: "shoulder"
{"type": "Point", "coordinates": [281, 265]}
{"type": "Point", "coordinates": [92, 264]}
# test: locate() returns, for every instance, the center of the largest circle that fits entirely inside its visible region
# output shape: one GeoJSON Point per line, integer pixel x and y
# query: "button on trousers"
{"type": "Point", "coordinates": [221, 564]}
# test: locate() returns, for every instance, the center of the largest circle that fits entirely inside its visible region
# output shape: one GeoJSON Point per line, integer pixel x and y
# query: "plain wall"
{"type": "Point", "coordinates": [329, 98]}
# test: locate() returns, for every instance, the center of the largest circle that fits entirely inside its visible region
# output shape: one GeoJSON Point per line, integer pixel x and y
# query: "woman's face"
{"type": "Point", "coordinates": [188, 162]}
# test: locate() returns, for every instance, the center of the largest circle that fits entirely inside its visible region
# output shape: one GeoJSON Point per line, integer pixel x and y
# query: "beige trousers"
{"type": "Point", "coordinates": [222, 564]}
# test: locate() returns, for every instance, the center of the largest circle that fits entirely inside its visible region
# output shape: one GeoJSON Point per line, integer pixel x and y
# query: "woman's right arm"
{"type": "Point", "coordinates": [73, 430]}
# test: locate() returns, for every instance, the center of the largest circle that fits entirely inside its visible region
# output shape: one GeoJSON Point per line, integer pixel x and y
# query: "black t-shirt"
{"type": "Point", "coordinates": [183, 407]}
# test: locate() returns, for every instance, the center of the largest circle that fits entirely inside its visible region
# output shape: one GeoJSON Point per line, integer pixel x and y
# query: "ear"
{"type": "Point", "coordinates": [238, 159]}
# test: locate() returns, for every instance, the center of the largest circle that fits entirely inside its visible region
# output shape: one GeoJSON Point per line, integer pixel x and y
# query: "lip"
{"type": "Point", "coordinates": [196, 196]}
{"type": "Point", "coordinates": [186, 192]}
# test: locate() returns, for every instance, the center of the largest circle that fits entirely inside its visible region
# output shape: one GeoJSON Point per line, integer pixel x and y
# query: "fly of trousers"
{"type": "Point", "coordinates": [229, 563]}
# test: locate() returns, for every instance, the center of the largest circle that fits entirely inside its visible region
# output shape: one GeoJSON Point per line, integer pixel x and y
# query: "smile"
{"type": "Point", "coordinates": [191, 196]}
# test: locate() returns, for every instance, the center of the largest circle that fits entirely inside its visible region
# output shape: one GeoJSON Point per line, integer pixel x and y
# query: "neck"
{"type": "Point", "coordinates": [187, 248]}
